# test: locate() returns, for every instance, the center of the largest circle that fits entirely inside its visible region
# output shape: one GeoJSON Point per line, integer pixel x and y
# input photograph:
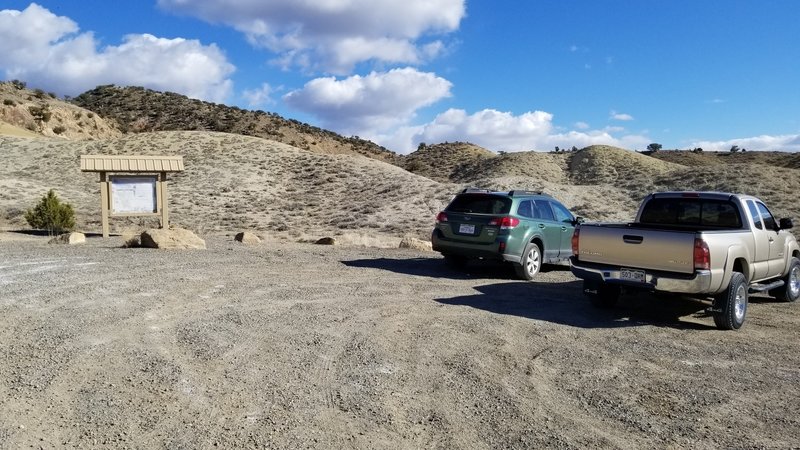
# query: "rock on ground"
{"type": "Point", "coordinates": [416, 244]}
{"type": "Point", "coordinates": [69, 238]}
{"type": "Point", "coordinates": [173, 238]}
{"type": "Point", "coordinates": [246, 237]}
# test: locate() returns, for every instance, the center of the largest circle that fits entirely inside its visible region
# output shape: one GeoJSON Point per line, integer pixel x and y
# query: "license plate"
{"type": "Point", "coordinates": [632, 275]}
{"type": "Point", "coordinates": [465, 228]}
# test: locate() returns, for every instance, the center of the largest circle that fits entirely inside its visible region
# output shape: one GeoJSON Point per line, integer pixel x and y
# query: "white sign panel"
{"type": "Point", "coordinates": [133, 195]}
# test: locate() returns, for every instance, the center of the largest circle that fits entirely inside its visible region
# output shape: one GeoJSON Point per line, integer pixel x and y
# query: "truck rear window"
{"type": "Point", "coordinates": [480, 204]}
{"type": "Point", "coordinates": [691, 212]}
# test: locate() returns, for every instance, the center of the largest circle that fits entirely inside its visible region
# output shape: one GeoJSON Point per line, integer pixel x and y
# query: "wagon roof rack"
{"type": "Point", "coordinates": [517, 192]}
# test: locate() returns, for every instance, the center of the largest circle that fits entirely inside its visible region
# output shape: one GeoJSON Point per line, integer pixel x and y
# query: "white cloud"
{"type": "Point", "coordinates": [581, 125]}
{"type": "Point", "coordinates": [48, 52]}
{"type": "Point", "coordinates": [501, 131]}
{"type": "Point", "coordinates": [26, 36]}
{"type": "Point", "coordinates": [334, 35]}
{"type": "Point", "coordinates": [259, 97]}
{"type": "Point", "coordinates": [788, 142]}
{"type": "Point", "coordinates": [620, 116]}
{"type": "Point", "coordinates": [370, 104]}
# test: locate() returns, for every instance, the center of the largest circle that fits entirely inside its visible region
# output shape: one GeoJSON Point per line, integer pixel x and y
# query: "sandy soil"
{"type": "Point", "coordinates": [295, 345]}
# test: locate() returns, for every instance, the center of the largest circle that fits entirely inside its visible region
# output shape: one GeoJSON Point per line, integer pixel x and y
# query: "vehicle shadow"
{"type": "Point", "coordinates": [436, 267]}
{"type": "Point", "coordinates": [564, 303]}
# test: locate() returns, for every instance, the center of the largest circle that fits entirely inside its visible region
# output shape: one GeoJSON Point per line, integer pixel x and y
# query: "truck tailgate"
{"type": "Point", "coordinates": [640, 248]}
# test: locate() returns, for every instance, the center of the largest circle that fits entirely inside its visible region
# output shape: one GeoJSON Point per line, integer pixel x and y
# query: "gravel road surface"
{"type": "Point", "coordinates": [285, 345]}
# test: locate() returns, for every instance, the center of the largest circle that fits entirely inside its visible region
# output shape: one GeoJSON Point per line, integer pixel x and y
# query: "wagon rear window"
{"type": "Point", "coordinates": [480, 204]}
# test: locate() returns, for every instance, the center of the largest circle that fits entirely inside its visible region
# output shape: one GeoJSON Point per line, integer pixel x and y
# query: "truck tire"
{"type": "Point", "coordinates": [531, 262]}
{"type": "Point", "coordinates": [731, 305]}
{"type": "Point", "coordinates": [790, 291]}
{"type": "Point", "coordinates": [606, 295]}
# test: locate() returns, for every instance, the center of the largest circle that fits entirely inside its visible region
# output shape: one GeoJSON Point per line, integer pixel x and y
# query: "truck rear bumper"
{"type": "Point", "coordinates": [698, 282]}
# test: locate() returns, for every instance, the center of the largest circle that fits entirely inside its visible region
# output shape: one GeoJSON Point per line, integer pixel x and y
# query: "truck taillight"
{"type": "Point", "coordinates": [441, 217]}
{"type": "Point", "coordinates": [702, 257]}
{"type": "Point", "coordinates": [576, 241]}
{"type": "Point", "coordinates": [505, 223]}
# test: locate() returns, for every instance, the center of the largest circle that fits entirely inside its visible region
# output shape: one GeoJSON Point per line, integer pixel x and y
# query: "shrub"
{"type": "Point", "coordinates": [51, 215]}
{"type": "Point", "coordinates": [40, 113]}
{"type": "Point", "coordinates": [58, 129]}
{"type": "Point", "coordinates": [8, 102]}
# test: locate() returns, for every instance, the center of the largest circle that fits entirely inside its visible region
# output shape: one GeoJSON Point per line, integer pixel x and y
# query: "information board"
{"type": "Point", "coordinates": [133, 194]}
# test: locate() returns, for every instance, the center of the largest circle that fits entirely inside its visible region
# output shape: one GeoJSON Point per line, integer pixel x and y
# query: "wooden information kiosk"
{"type": "Point", "coordinates": [132, 185]}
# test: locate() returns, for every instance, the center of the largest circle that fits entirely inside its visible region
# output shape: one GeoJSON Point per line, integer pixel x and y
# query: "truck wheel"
{"type": "Point", "coordinates": [732, 304]}
{"type": "Point", "coordinates": [790, 291]}
{"type": "Point", "coordinates": [606, 295]}
{"type": "Point", "coordinates": [531, 262]}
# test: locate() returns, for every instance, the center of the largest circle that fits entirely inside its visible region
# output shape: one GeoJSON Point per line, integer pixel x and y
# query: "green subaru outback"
{"type": "Point", "coordinates": [523, 227]}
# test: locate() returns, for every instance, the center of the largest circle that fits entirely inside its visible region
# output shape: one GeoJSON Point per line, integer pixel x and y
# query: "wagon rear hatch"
{"type": "Point", "coordinates": [474, 218]}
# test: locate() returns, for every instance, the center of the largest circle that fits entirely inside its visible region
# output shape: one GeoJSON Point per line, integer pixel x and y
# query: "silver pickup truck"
{"type": "Point", "coordinates": [701, 244]}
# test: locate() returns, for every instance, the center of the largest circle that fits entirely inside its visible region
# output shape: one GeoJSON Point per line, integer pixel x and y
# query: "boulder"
{"type": "Point", "coordinates": [173, 238]}
{"type": "Point", "coordinates": [326, 241]}
{"type": "Point", "coordinates": [416, 244]}
{"type": "Point", "coordinates": [69, 238]}
{"type": "Point", "coordinates": [246, 237]}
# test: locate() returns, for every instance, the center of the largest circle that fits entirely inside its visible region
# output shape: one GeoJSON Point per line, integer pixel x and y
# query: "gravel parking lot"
{"type": "Point", "coordinates": [285, 345]}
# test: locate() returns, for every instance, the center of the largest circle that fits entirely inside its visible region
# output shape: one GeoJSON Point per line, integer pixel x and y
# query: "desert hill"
{"type": "Point", "coordinates": [694, 159]}
{"type": "Point", "coordinates": [325, 183]}
{"type": "Point", "coordinates": [40, 113]}
{"type": "Point", "coordinates": [235, 183]}
{"type": "Point", "coordinates": [445, 161]}
{"type": "Point", "coordinates": [138, 109]}
{"type": "Point", "coordinates": [231, 183]}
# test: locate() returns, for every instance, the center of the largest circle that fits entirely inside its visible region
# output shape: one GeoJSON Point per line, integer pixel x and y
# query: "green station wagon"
{"type": "Point", "coordinates": [522, 227]}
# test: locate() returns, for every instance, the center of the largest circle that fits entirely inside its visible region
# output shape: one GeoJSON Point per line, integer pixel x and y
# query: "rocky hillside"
{"type": "Point", "coordinates": [143, 110]}
{"type": "Point", "coordinates": [41, 113]}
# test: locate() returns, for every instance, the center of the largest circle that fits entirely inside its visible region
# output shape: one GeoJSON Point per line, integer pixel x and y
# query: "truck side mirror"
{"type": "Point", "coordinates": [786, 223]}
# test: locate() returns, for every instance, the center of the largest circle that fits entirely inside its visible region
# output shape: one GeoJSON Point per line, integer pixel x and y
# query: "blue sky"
{"type": "Point", "coordinates": [514, 76]}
